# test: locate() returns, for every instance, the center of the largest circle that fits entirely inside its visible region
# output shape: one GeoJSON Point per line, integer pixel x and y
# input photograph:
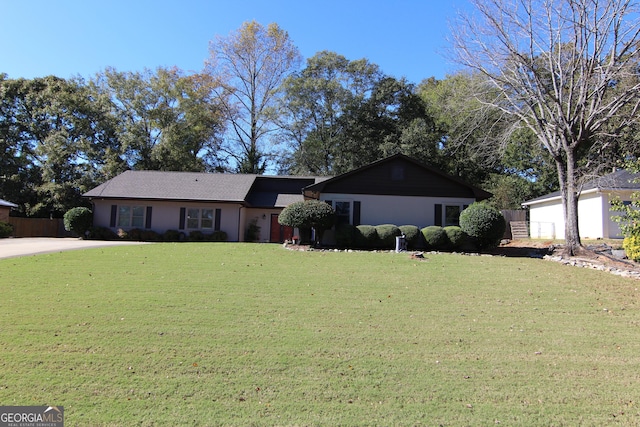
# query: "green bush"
{"type": "Point", "coordinates": [306, 215]}
{"type": "Point", "coordinates": [366, 237]}
{"type": "Point", "coordinates": [412, 235]}
{"type": "Point", "coordinates": [484, 224]}
{"type": "Point", "coordinates": [78, 220]}
{"type": "Point", "coordinates": [172, 236]}
{"type": "Point", "coordinates": [387, 235]}
{"type": "Point", "coordinates": [5, 229]}
{"type": "Point", "coordinates": [253, 231]}
{"type": "Point", "coordinates": [631, 246]}
{"type": "Point", "coordinates": [102, 233]}
{"type": "Point", "coordinates": [435, 237]}
{"type": "Point", "coordinates": [455, 236]}
{"type": "Point", "coordinates": [345, 235]}
{"type": "Point", "coordinates": [135, 234]}
{"type": "Point", "coordinates": [150, 236]}
{"type": "Point", "coordinates": [217, 236]}
{"type": "Point", "coordinates": [196, 236]}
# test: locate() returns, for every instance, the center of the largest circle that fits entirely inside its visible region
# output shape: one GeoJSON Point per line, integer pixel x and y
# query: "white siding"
{"type": "Point", "coordinates": [397, 210]}
{"type": "Point", "coordinates": [594, 217]}
{"type": "Point", "coordinates": [590, 216]}
{"type": "Point", "coordinates": [546, 220]}
{"type": "Point", "coordinates": [166, 215]}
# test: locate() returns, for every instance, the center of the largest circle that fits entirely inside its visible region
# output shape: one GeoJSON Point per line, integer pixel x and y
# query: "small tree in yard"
{"type": "Point", "coordinates": [5, 229]}
{"type": "Point", "coordinates": [629, 220]}
{"type": "Point", "coordinates": [78, 220]}
{"type": "Point", "coordinates": [484, 224]}
{"type": "Point", "coordinates": [307, 215]}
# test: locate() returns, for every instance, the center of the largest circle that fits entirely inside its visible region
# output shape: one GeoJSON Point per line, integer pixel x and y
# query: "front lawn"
{"type": "Point", "coordinates": [208, 334]}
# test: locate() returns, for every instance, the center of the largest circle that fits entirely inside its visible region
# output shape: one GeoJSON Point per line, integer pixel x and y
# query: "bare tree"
{"type": "Point", "coordinates": [252, 63]}
{"type": "Point", "coordinates": [566, 69]}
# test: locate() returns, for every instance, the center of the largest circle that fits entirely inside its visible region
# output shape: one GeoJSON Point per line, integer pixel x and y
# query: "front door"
{"type": "Point", "coordinates": [279, 233]}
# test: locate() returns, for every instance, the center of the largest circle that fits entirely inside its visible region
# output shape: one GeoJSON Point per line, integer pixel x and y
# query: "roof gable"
{"type": "Point", "coordinates": [398, 175]}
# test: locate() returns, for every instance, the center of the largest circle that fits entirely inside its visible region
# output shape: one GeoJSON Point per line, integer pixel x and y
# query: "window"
{"type": "Point", "coordinates": [199, 218]}
{"type": "Point", "coordinates": [451, 215]}
{"type": "Point", "coordinates": [343, 212]}
{"type": "Point", "coordinates": [207, 218]}
{"type": "Point", "coordinates": [130, 216]}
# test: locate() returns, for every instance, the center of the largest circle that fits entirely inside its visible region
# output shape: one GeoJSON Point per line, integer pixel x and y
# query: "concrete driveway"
{"type": "Point", "coordinates": [15, 247]}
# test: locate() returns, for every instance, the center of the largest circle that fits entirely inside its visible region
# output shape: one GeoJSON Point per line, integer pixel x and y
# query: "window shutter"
{"type": "Point", "coordinates": [356, 213]}
{"type": "Point", "coordinates": [438, 215]}
{"type": "Point", "coordinates": [114, 213]}
{"type": "Point", "coordinates": [217, 220]}
{"type": "Point", "coordinates": [183, 214]}
{"type": "Point", "coordinates": [148, 219]}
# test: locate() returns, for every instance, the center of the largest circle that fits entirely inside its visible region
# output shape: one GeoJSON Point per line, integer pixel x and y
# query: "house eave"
{"type": "Point", "coordinates": [559, 197]}
{"type": "Point", "coordinates": [156, 199]}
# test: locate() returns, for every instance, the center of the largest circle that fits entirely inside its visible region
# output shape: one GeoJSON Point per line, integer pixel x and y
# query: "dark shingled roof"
{"type": "Point", "coordinates": [160, 185]}
{"type": "Point", "coordinates": [254, 190]}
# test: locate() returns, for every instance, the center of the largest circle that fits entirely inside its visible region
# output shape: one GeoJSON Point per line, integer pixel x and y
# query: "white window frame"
{"type": "Point", "coordinates": [127, 217]}
{"type": "Point", "coordinates": [196, 219]}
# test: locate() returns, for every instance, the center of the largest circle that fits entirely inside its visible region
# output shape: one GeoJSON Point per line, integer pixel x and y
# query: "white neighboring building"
{"type": "Point", "coordinates": [546, 217]}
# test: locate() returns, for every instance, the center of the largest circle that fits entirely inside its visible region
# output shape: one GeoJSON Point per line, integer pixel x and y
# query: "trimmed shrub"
{"type": "Point", "coordinates": [484, 224]}
{"type": "Point", "coordinates": [196, 236]}
{"type": "Point", "coordinates": [306, 215]}
{"type": "Point", "coordinates": [387, 235]}
{"type": "Point", "coordinates": [78, 220]}
{"type": "Point", "coordinates": [411, 234]}
{"type": "Point", "coordinates": [171, 236]}
{"type": "Point", "coordinates": [217, 236]}
{"type": "Point", "coordinates": [253, 231]}
{"type": "Point", "coordinates": [102, 233]}
{"type": "Point", "coordinates": [456, 236]}
{"type": "Point", "coordinates": [345, 235]}
{"type": "Point", "coordinates": [135, 234]}
{"type": "Point", "coordinates": [435, 237]}
{"type": "Point", "coordinates": [5, 229]}
{"type": "Point", "coordinates": [366, 237]}
{"type": "Point", "coordinates": [631, 246]}
{"type": "Point", "coordinates": [150, 236]}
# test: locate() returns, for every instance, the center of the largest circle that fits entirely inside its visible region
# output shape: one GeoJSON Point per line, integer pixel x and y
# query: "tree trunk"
{"type": "Point", "coordinates": [568, 189]}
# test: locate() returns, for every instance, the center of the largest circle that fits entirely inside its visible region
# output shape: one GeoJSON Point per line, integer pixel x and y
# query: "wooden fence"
{"type": "Point", "coordinates": [512, 216]}
{"type": "Point", "coordinates": [38, 227]}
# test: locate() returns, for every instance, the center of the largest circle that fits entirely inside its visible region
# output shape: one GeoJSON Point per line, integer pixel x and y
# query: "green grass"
{"type": "Point", "coordinates": [241, 334]}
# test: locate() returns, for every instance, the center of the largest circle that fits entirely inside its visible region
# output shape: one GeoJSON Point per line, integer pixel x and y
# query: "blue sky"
{"type": "Point", "coordinates": [406, 38]}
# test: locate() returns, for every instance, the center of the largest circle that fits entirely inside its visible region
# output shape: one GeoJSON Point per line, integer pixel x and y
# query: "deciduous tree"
{"type": "Point", "coordinates": [314, 100]}
{"type": "Point", "coordinates": [251, 63]}
{"type": "Point", "coordinates": [52, 132]}
{"type": "Point", "coordinates": [166, 120]}
{"type": "Point", "coordinates": [562, 68]}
